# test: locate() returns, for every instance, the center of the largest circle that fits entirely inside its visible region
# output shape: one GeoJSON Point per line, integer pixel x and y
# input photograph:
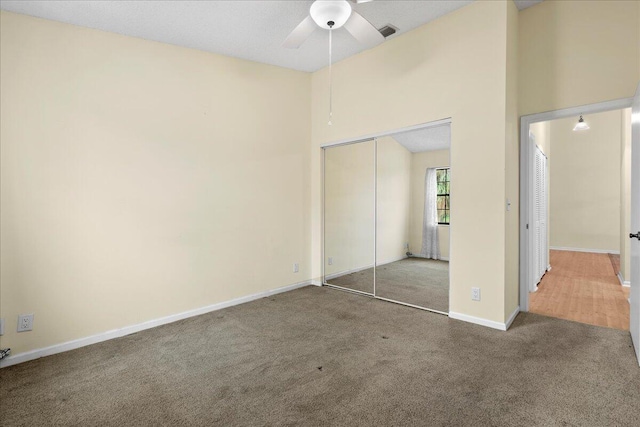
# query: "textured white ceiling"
{"type": "Point", "coordinates": [428, 139]}
{"type": "Point", "coordinates": [252, 30]}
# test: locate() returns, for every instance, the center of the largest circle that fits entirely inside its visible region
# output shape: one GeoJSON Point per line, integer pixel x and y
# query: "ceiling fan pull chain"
{"type": "Point", "coordinates": [330, 78]}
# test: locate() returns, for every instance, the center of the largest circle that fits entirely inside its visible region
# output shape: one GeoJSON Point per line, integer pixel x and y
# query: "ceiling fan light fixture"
{"type": "Point", "coordinates": [330, 14]}
{"type": "Point", "coordinates": [581, 125]}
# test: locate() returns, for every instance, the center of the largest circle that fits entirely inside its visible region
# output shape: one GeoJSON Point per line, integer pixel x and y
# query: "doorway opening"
{"type": "Point", "coordinates": [575, 214]}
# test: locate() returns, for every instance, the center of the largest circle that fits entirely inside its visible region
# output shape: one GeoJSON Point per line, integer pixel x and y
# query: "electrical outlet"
{"type": "Point", "coordinates": [330, 260]}
{"type": "Point", "coordinates": [25, 322]}
{"type": "Point", "coordinates": [406, 246]}
{"type": "Point", "coordinates": [475, 294]}
{"type": "Point", "coordinates": [1, 326]}
{"type": "Point", "coordinates": [296, 268]}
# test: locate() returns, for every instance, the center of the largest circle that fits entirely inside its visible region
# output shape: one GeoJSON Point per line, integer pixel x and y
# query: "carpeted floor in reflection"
{"type": "Point", "coordinates": [418, 281]}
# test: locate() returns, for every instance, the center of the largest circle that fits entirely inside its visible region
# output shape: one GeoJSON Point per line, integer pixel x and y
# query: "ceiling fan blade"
{"type": "Point", "coordinates": [300, 34]}
{"type": "Point", "coordinates": [360, 1]}
{"type": "Point", "coordinates": [363, 31]}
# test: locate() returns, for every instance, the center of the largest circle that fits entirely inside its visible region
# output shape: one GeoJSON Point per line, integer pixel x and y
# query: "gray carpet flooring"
{"type": "Point", "coordinates": [319, 356]}
{"type": "Point", "coordinates": [417, 281]}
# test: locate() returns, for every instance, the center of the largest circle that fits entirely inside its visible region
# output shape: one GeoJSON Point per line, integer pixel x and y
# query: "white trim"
{"type": "Point", "coordinates": [512, 317]}
{"type": "Point", "coordinates": [593, 251]}
{"type": "Point", "coordinates": [392, 260]}
{"type": "Point", "coordinates": [371, 136]}
{"type": "Point", "coordinates": [355, 270]}
{"type": "Point", "coordinates": [127, 330]}
{"type": "Point", "coordinates": [600, 107]}
{"type": "Point", "coordinates": [345, 272]}
{"type": "Point", "coordinates": [625, 283]}
{"type": "Point", "coordinates": [478, 321]}
{"type": "Point", "coordinates": [375, 211]}
{"type": "Point", "coordinates": [424, 257]}
{"type": "Point", "coordinates": [316, 282]}
{"type": "Point", "coordinates": [526, 154]}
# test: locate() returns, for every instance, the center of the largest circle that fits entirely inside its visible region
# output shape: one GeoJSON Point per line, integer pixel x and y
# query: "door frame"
{"type": "Point", "coordinates": [526, 180]}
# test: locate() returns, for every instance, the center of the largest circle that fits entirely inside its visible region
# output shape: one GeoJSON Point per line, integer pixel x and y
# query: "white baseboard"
{"type": "Point", "coordinates": [424, 257]}
{"type": "Point", "coordinates": [625, 283]}
{"type": "Point", "coordinates": [345, 272]}
{"type": "Point", "coordinates": [127, 330]}
{"type": "Point", "coordinates": [485, 322]}
{"type": "Point", "coordinates": [400, 258]}
{"type": "Point", "coordinates": [593, 251]}
{"type": "Point", "coordinates": [316, 282]}
{"type": "Point", "coordinates": [512, 317]}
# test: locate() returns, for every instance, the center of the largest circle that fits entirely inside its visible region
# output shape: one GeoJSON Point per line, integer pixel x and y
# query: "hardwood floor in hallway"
{"type": "Point", "coordinates": [582, 287]}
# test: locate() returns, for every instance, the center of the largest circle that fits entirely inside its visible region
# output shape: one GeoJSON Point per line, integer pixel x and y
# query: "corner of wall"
{"type": "Point", "coordinates": [512, 165]}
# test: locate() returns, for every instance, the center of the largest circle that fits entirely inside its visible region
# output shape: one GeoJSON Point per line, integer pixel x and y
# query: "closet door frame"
{"type": "Point", "coordinates": [366, 138]}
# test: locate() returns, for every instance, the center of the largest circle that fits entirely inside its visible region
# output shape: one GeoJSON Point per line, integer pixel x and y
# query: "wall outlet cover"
{"type": "Point", "coordinates": [475, 294]}
{"type": "Point", "coordinates": [1, 326]}
{"type": "Point", "coordinates": [25, 322]}
{"type": "Point", "coordinates": [296, 267]}
{"type": "Point", "coordinates": [330, 260]}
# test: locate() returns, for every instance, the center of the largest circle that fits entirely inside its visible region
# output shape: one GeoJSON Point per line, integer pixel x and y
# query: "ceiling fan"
{"type": "Point", "coordinates": [331, 15]}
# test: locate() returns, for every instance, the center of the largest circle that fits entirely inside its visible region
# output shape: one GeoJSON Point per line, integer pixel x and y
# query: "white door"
{"type": "Point", "coordinates": [542, 214]}
{"type": "Point", "coordinates": [535, 266]}
{"type": "Point", "coordinates": [634, 320]}
{"type": "Point", "coordinates": [539, 264]}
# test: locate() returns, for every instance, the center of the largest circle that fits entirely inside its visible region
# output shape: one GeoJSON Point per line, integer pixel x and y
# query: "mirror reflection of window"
{"type": "Point", "coordinates": [443, 179]}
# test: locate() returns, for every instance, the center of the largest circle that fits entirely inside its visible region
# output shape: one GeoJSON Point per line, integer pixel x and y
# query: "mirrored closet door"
{"type": "Point", "coordinates": [349, 216]}
{"type": "Point", "coordinates": [387, 217]}
{"type": "Point", "coordinates": [412, 227]}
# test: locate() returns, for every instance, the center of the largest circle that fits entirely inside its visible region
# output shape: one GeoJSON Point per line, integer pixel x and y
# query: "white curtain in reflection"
{"type": "Point", "coordinates": [430, 241]}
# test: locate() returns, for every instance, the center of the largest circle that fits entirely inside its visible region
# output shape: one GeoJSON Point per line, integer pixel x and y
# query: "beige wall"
{"type": "Point", "coordinates": [349, 203]}
{"type": "Point", "coordinates": [393, 200]}
{"type": "Point", "coordinates": [585, 183]}
{"type": "Point", "coordinates": [576, 53]}
{"type": "Point", "coordinates": [140, 180]}
{"type": "Point", "coordinates": [625, 195]}
{"type": "Point", "coordinates": [420, 162]}
{"type": "Point", "coordinates": [452, 67]}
